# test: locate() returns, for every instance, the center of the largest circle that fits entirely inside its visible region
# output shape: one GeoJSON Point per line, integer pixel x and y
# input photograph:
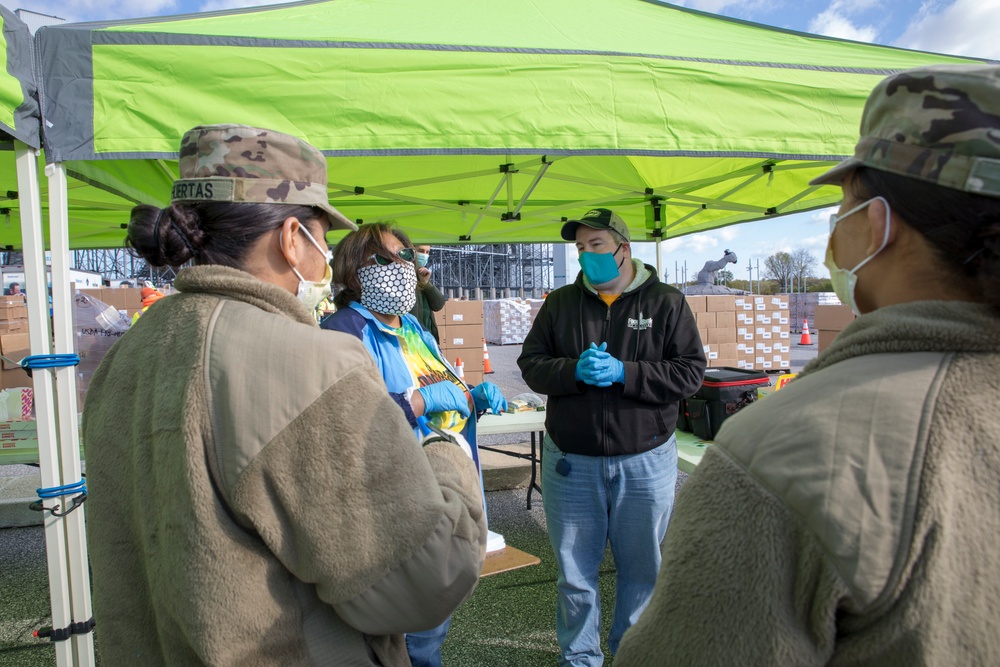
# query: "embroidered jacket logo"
{"type": "Point", "coordinates": [640, 324]}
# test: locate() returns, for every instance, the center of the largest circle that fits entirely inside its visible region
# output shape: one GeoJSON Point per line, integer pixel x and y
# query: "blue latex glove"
{"type": "Point", "coordinates": [444, 395]}
{"type": "Point", "coordinates": [488, 395]}
{"type": "Point", "coordinates": [582, 366]}
{"type": "Point", "coordinates": [598, 368]}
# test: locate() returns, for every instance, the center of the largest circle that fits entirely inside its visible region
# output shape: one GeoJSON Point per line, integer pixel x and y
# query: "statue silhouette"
{"type": "Point", "coordinates": [706, 277]}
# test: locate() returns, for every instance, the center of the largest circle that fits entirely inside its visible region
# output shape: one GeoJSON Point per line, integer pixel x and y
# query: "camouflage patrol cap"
{"type": "Point", "coordinates": [939, 124]}
{"type": "Point", "coordinates": [237, 163]}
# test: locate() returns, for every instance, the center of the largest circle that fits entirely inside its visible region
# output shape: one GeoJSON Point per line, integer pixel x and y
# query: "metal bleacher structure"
{"type": "Point", "coordinates": [475, 271]}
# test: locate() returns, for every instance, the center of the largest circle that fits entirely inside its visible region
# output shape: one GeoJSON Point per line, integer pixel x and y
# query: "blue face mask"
{"type": "Point", "coordinates": [600, 267]}
{"type": "Point", "coordinates": [422, 259]}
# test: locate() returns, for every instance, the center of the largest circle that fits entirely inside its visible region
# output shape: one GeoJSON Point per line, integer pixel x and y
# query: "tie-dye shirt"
{"type": "Point", "coordinates": [426, 369]}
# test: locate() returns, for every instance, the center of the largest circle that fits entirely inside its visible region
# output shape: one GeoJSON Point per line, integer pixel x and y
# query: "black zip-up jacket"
{"type": "Point", "coordinates": [650, 329]}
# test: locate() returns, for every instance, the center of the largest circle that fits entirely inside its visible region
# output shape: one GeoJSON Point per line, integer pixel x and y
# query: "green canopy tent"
{"type": "Point", "coordinates": [467, 121]}
{"type": "Point", "coordinates": [56, 421]}
{"type": "Point", "coordinates": [475, 121]}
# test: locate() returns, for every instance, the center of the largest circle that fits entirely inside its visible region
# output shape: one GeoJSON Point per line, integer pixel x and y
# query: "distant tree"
{"type": "Point", "coordinates": [803, 263]}
{"type": "Point", "coordinates": [778, 267]}
{"type": "Point", "coordinates": [723, 277]}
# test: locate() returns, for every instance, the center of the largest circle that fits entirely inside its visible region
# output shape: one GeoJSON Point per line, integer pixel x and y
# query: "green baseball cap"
{"type": "Point", "coordinates": [237, 163]}
{"type": "Point", "coordinates": [939, 124]}
{"type": "Point", "coordinates": [597, 218]}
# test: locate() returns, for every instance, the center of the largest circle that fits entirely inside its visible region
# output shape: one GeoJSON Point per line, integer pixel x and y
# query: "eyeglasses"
{"type": "Point", "coordinates": [405, 254]}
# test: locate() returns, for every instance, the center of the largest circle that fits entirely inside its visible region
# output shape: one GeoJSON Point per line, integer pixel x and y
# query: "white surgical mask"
{"type": "Point", "coordinates": [390, 289]}
{"type": "Point", "coordinates": [310, 292]}
{"type": "Point", "coordinates": [844, 281]}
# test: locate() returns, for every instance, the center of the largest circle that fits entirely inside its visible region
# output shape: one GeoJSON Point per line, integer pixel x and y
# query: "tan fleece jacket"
{"type": "Point", "coordinates": [853, 518]}
{"type": "Point", "coordinates": [331, 531]}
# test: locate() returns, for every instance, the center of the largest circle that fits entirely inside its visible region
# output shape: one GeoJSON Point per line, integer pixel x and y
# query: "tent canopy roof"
{"type": "Point", "coordinates": [477, 121]}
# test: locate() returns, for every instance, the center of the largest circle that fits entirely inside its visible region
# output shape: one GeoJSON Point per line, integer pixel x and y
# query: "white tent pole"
{"type": "Point", "coordinates": [659, 259]}
{"type": "Point", "coordinates": [38, 329]}
{"type": "Point", "coordinates": [69, 426]}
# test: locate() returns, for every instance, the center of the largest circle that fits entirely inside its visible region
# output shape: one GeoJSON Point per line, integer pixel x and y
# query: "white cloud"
{"type": "Point", "coordinates": [99, 10]}
{"type": "Point", "coordinates": [962, 27]}
{"type": "Point", "coordinates": [216, 5]}
{"type": "Point", "coordinates": [836, 21]}
{"type": "Point", "coordinates": [737, 8]}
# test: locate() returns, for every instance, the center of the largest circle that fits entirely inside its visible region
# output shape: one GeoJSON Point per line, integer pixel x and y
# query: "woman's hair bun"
{"type": "Point", "coordinates": [166, 237]}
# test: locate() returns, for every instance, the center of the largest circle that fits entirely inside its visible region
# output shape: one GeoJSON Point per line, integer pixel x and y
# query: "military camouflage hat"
{"type": "Point", "coordinates": [939, 124]}
{"type": "Point", "coordinates": [236, 163]}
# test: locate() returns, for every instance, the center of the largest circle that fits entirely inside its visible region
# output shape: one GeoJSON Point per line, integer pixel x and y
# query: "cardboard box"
{"type": "Point", "coordinates": [696, 302]}
{"type": "Point", "coordinates": [461, 336]}
{"type": "Point", "coordinates": [825, 337]}
{"type": "Point", "coordinates": [8, 313]}
{"type": "Point", "coordinates": [14, 378]}
{"type": "Point", "coordinates": [14, 326]}
{"type": "Point", "coordinates": [715, 303]}
{"type": "Point", "coordinates": [728, 351]}
{"type": "Point", "coordinates": [717, 335]}
{"type": "Point", "coordinates": [471, 362]}
{"type": "Point", "coordinates": [9, 301]}
{"type": "Point", "coordinates": [113, 297]}
{"type": "Point", "coordinates": [14, 346]}
{"type": "Point", "coordinates": [705, 320]}
{"type": "Point", "coordinates": [473, 378]}
{"type": "Point", "coordinates": [439, 318]}
{"type": "Point", "coordinates": [832, 318]}
{"type": "Point", "coordinates": [463, 312]}
{"type": "Point", "coordinates": [726, 319]}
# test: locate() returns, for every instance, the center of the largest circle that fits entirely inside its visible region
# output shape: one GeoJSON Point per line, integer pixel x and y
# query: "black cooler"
{"type": "Point", "coordinates": [724, 391]}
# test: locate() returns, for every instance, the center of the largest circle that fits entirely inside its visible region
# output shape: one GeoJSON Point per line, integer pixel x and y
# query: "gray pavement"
{"type": "Point", "coordinates": [509, 620]}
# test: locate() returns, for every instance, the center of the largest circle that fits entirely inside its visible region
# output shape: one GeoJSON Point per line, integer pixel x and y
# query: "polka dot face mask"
{"type": "Point", "coordinates": [390, 289]}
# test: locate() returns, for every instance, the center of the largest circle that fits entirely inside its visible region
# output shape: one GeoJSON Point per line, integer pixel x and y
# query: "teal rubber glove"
{"type": "Point", "coordinates": [488, 396]}
{"type": "Point", "coordinates": [608, 371]}
{"type": "Point", "coordinates": [583, 369]}
{"type": "Point", "coordinates": [600, 369]}
{"type": "Point", "coordinates": [444, 395]}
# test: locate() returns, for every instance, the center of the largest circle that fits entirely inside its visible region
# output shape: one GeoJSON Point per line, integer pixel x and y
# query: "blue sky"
{"type": "Point", "coordinates": [962, 27]}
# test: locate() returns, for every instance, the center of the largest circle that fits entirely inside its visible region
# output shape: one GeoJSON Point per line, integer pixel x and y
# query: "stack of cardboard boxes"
{"type": "Point", "coordinates": [128, 299]}
{"type": "Point", "coordinates": [744, 331]}
{"type": "Point", "coordinates": [508, 321]}
{"type": "Point", "coordinates": [14, 342]}
{"type": "Point", "coordinates": [829, 321]}
{"type": "Point", "coordinates": [460, 328]}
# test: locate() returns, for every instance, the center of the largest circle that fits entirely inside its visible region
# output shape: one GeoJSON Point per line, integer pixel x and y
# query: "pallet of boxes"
{"type": "Point", "coordinates": [508, 321]}
{"type": "Point", "coordinates": [750, 332]}
{"type": "Point", "coordinates": [460, 328]}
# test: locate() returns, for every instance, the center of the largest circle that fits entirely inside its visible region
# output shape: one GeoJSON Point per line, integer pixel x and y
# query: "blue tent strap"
{"type": "Point", "coordinates": [77, 489]}
{"type": "Point", "coordinates": [64, 490]}
{"type": "Point", "coordinates": [49, 361]}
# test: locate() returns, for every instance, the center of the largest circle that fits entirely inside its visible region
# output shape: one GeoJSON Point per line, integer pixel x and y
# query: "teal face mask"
{"type": "Point", "coordinates": [422, 259]}
{"type": "Point", "coordinates": [600, 267]}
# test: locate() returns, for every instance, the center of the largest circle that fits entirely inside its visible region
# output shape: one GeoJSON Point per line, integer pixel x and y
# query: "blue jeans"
{"type": "Point", "coordinates": [622, 499]}
{"type": "Point", "coordinates": [425, 647]}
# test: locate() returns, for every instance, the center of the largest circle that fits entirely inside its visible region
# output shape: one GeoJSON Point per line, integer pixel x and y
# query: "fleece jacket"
{"type": "Point", "coordinates": [256, 498]}
{"type": "Point", "coordinates": [852, 518]}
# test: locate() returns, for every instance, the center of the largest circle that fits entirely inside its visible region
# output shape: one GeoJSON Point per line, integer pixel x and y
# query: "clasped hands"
{"type": "Point", "coordinates": [598, 368]}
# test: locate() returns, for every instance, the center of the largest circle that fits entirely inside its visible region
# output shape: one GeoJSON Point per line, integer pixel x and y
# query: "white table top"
{"type": "Point", "coordinates": [690, 449]}
{"type": "Point", "coordinates": [511, 422]}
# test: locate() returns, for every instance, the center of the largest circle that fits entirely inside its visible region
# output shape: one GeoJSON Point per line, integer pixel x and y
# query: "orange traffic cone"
{"type": "Point", "coordinates": [487, 367]}
{"type": "Point", "coordinates": [459, 368]}
{"type": "Point", "coordinates": [806, 338]}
